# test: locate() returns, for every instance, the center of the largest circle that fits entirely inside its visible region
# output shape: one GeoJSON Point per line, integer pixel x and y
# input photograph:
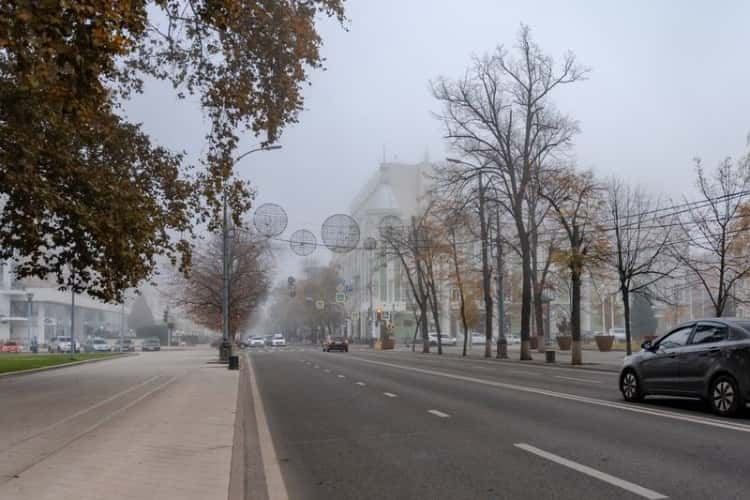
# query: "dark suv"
{"type": "Point", "coordinates": [708, 359]}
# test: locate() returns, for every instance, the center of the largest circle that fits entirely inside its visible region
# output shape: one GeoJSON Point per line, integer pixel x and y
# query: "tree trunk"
{"type": "Point", "coordinates": [626, 314]}
{"type": "Point", "coordinates": [425, 336]}
{"type": "Point", "coordinates": [525, 297]}
{"type": "Point", "coordinates": [486, 273]}
{"type": "Point", "coordinates": [575, 316]}
{"type": "Point", "coordinates": [539, 317]}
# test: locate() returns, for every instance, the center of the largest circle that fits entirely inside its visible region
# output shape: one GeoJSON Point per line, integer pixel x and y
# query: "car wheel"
{"type": "Point", "coordinates": [724, 396]}
{"type": "Point", "coordinates": [630, 386]}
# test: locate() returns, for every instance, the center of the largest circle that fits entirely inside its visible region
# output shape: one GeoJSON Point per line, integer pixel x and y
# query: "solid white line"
{"type": "Point", "coordinates": [340, 376]}
{"type": "Point", "coordinates": [602, 476]}
{"type": "Point", "coordinates": [390, 394]}
{"type": "Point", "coordinates": [572, 397]}
{"type": "Point", "coordinates": [361, 384]}
{"type": "Point", "coordinates": [579, 379]}
{"type": "Point", "coordinates": [438, 413]}
{"type": "Point", "coordinates": [274, 480]}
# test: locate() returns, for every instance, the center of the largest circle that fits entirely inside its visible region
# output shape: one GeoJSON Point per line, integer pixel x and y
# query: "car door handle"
{"type": "Point", "coordinates": [672, 354]}
{"type": "Point", "coordinates": [709, 352]}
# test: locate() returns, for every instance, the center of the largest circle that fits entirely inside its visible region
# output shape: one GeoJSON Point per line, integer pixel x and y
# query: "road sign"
{"type": "Point", "coordinates": [340, 287]}
{"type": "Point", "coordinates": [320, 305]}
{"type": "Point", "coordinates": [340, 297]}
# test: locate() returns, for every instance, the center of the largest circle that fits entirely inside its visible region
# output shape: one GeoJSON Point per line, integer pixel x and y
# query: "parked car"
{"type": "Point", "coordinates": [10, 346]}
{"type": "Point", "coordinates": [96, 345]}
{"type": "Point", "coordinates": [707, 359]}
{"type": "Point", "coordinates": [513, 339]}
{"type": "Point", "coordinates": [62, 344]}
{"type": "Point", "coordinates": [152, 344]}
{"type": "Point", "coordinates": [278, 340]}
{"type": "Point", "coordinates": [256, 341]}
{"type": "Point", "coordinates": [269, 340]}
{"type": "Point", "coordinates": [336, 344]}
{"type": "Point", "coordinates": [127, 345]}
{"type": "Point", "coordinates": [444, 339]}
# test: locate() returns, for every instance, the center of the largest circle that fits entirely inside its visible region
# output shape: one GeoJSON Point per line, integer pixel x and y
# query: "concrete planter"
{"type": "Point", "coordinates": [385, 344]}
{"type": "Point", "coordinates": [564, 342]}
{"type": "Point", "coordinates": [604, 342]}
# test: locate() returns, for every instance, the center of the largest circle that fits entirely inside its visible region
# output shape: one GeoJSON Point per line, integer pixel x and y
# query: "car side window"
{"type": "Point", "coordinates": [677, 338]}
{"type": "Point", "coordinates": [709, 333]}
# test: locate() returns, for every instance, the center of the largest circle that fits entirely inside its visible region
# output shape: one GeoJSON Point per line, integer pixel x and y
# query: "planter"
{"type": "Point", "coordinates": [388, 343]}
{"type": "Point", "coordinates": [534, 341]}
{"type": "Point", "coordinates": [604, 342]}
{"type": "Point", "coordinates": [564, 342]}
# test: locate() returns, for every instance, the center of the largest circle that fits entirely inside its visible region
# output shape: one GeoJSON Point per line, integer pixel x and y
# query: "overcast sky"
{"type": "Point", "coordinates": [669, 81]}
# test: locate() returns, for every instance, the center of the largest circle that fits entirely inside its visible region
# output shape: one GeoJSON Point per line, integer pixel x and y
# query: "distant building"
{"type": "Point", "coordinates": [50, 310]}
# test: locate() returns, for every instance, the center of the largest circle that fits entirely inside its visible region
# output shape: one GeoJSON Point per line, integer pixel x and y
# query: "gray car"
{"type": "Point", "coordinates": [708, 359]}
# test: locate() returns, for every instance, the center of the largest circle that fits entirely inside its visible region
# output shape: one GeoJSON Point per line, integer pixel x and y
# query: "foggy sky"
{"type": "Point", "coordinates": [669, 82]}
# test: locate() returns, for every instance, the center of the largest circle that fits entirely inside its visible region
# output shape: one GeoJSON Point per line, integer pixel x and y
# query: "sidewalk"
{"type": "Point", "coordinates": [592, 359]}
{"type": "Point", "coordinates": [174, 443]}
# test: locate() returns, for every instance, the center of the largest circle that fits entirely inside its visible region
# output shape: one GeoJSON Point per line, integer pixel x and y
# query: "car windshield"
{"type": "Point", "coordinates": [450, 213]}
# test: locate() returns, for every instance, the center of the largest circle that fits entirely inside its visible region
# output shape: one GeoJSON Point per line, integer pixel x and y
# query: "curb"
{"type": "Point", "coordinates": [64, 365]}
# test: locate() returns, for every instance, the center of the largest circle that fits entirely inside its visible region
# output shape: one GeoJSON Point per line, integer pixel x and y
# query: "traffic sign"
{"type": "Point", "coordinates": [320, 304]}
{"type": "Point", "coordinates": [340, 297]}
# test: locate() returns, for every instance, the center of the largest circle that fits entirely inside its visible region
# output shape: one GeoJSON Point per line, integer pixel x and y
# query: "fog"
{"type": "Point", "coordinates": [669, 82]}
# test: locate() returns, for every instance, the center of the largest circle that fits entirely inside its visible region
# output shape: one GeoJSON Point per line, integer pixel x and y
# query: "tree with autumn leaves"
{"type": "Point", "coordinates": [87, 197]}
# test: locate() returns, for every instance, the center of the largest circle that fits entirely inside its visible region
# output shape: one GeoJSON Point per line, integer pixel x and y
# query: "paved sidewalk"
{"type": "Point", "coordinates": [592, 359]}
{"type": "Point", "coordinates": [175, 443]}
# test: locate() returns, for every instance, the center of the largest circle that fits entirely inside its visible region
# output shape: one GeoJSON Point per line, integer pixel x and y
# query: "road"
{"type": "Point", "coordinates": [401, 425]}
{"type": "Point", "coordinates": [126, 428]}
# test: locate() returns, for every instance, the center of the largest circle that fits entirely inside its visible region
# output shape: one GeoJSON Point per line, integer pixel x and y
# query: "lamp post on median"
{"type": "Point", "coordinates": [225, 345]}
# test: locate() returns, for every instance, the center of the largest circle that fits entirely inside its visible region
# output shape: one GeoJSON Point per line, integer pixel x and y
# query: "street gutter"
{"type": "Point", "coordinates": [65, 365]}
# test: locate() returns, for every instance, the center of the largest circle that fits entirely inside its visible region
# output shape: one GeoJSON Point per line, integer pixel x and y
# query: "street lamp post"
{"type": "Point", "coordinates": [29, 298]}
{"type": "Point", "coordinates": [225, 344]}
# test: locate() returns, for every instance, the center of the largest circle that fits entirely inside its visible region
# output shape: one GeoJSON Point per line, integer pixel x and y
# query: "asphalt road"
{"type": "Point", "coordinates": [401, 425]}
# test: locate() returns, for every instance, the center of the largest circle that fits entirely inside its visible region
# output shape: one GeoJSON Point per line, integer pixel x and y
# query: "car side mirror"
{"type": "Point", "coordinates": [646, 345]}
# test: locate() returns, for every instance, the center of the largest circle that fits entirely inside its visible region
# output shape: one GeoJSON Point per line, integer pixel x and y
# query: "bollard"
{"type": "Point", "coordinates": [550, 356]}
{"type": "Point", "coordinates": [234, 362]}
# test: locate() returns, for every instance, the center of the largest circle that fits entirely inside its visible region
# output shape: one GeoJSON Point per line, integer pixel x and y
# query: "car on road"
{"type": "Point", "coordinates": [336, 344]}
{"type": "Point", "coordinates": [476, 338]}
{"type": "Point", "coordinates": [444, 339]}
{"type": "Point", "coordinates": [10, 346]}
{"type": "Point", "coordinates": [152, 344]}
{"type": "Point", "coordinates": [708, 359]}
{"type": "Point", "coordinates": [269, 340]}
{"type": "Point", "coordinates": [62, 344]}
{"type": "Point", "coordinates": [278, 340]}
{"type": "Point", "coordinates": [96, 345]}
{"type": "Point", "coordinates": [127, 345]}
{"type": "Point", "coordinates": [256, 341]}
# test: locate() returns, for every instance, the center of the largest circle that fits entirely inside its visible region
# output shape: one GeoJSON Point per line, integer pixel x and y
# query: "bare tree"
{"type": "Point", "coordinates": [575, 202]}
{"type": "Point", "coordinates": [640, 242]}
{"type": "Point", "coordinates": [199, 294]}
{"type": "Point", "coordinates": [715, 228]}
{"type": "Point", "coordinates": [500, 114]}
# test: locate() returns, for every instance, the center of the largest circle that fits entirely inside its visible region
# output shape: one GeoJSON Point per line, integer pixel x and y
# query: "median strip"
{"type": "Point", "coordinates": [583, 469]}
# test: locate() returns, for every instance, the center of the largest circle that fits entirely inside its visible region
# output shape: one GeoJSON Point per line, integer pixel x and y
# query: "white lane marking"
{"type": "Point", "coordinates": [572, 397]}
{"type": "Point", "coordinates": [361, 384]}
{"type": "Point", "coordinates": [327, 370]}
{"type": "Point", "coordinates": [274, 480]}
{"type": "Point", "coordinates": [579, 379]}
{"type": "Point", "coordinates": [438, 413]}
{"type": "Point", "coordinates": [389, 394]}
{"type": "Point", "coordinates": [340, 376]}
{"type": "Point", "coordinates": [82, 412]}
{"type": "Point", "coordinates": [601, 476]}
{"type": "Point", "coordinates": [316, 366]}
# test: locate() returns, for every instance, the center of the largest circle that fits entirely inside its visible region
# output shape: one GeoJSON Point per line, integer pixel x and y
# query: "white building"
{"type": "Point", "coordinates": [50, 310]}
